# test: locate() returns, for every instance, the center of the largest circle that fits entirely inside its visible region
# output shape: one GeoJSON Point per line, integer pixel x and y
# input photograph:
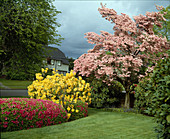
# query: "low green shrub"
{"type": "Point", "coordinates": [104, 96]}
{"type": "Point", "coordinates": [77, 110]}
{"type": "Point", "coordinates": [25, 113]}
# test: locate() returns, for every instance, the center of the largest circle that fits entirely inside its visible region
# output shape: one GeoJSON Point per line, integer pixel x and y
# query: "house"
{"type": "Point", "coordinates": [55, 58]}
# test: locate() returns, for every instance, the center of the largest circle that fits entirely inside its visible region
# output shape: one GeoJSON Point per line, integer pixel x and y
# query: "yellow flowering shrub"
{"type": "Point", "coordinates": [65, 90]}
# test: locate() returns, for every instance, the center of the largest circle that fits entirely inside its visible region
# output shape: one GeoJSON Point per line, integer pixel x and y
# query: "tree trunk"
{"type": "Point", "coordinates": [127, 100]}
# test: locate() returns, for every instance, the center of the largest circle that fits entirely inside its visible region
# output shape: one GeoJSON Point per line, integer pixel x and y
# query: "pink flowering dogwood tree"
{"type": "Point", "coordinates": [124, 54]}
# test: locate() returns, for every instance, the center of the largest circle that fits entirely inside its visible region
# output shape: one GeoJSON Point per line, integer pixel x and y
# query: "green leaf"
{"type": "Point", "coordinates": [168, 118]}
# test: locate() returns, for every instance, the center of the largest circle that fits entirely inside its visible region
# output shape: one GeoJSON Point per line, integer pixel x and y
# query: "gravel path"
{"type": "Point", "coordinates": [6, 91]}
{"type": "Point", "coordinates": [11, 92]}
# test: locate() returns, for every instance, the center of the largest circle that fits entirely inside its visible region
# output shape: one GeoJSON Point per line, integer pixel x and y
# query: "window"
{"type": "Point", "coordinates": [52, 62]}
{"type": "Point", "coordinates": [59, 63]}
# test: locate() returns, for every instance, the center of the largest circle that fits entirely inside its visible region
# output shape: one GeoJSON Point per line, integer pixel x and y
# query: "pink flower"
{"type": "Point", "coordinates": [5, 126]}
{"type": "Point", "coordinates": [5, 123]}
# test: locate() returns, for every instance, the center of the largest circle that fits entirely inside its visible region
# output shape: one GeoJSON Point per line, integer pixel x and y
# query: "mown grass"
{"type": "Point", "coordinates": [99, 124]}
{"type": "Point", "coordinates": [15, 84]}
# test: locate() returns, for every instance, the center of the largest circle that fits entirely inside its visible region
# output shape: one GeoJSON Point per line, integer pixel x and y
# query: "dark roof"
{"type": "Point", "coordinates": [56, 54]}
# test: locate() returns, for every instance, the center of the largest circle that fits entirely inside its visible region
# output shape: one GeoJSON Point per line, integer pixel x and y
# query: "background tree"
{"type": "Point", "coordinates": [165, 30]}
{"type": "Point", "coordinates": [71, 63]}
{"type": "Point", "coordinates": [124, 55]}
{"type": "Point", "coordinates": [26, 26]}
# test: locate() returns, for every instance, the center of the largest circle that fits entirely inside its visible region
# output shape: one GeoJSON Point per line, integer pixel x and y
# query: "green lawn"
{"type": "Point", "coordinates": [99, 124]}
{"type": "Point", "coordinates": [15, 84]}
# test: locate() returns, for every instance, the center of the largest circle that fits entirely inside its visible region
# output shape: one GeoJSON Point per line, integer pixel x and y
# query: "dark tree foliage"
{"type": "Point", "coordinates": [25, 26]}
{"type": "Point", "coordinates": [71, 63]}
{"type": "Point", "coordinates": [165, 30]}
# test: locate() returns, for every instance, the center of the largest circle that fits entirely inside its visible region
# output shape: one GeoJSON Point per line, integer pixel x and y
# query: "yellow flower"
{"type": "Point", "coordinates": [72, 96]}
{"type": "Point", "coordinates": [77, 111]}
{"type": "Point", "coordinates": [84, 93]}
{"type": "Point", "coordinates": [80, 89]}
{"type": "Point", "coordinates": [42, 70]}
{"type": "Point", "coordinates": [64, 103]}
{"type": "Point", "coordinates": [83, 82]}
{"type": "Point", "coordinates": [71, 74]}
{"type": "Point", "coordinates": [80, 78]}
{"type": "Point", "coordinates": [68, 115]}
{"type": "Point", "coordinates": [89, 100]}
{"type": "Point", "coordinates": [68, 96]}
{"type": "Point", "coordinates": [75, 101]}
{"type": "Point", "coordinates": [72, 105]}
{"type": "Point", "coordinates": [75, 89]}
{"type": "Point", "coordinates": [72, 110]}
{"type": "Point", "coordinates": [87, 85]}
{"type": "Point", "coordinates": [68, 109]}
{"type": "Point", "coordinates": [57, 101]}
{"type": "Point", "coordinates": [84, 96]}
{"type": "Point", "coordinates": [88, 90]}
{"type": "Point", "coordinates": [89, 94]}
{"type": "Point", "coordinates": [80, 97]}
{"type": "Point", "coordinates": [68, 90]}
{"type": "Point", "coordinates": [53, 97]}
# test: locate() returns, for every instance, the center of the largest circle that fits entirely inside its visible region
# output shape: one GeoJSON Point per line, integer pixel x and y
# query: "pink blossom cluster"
{"type": "Point", "coordinates": [122, 54]}
{"type": "Point", "coordinates": [25, 113]}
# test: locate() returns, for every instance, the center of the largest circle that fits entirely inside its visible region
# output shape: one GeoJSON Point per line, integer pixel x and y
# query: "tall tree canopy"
{"type": "Point", "coordinates": [26, 26]}
{"type": "Point", "coordinates": [124, 54]}
{"type": "Point", "coordinates": [165, 30]}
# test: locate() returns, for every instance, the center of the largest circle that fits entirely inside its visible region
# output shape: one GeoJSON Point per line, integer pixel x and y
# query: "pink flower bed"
{"type": "Point", "coordinates": [25, 113]}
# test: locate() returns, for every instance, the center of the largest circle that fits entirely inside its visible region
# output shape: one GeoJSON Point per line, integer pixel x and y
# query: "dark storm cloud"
{"type": "Point", "coordinates": [79, 17]}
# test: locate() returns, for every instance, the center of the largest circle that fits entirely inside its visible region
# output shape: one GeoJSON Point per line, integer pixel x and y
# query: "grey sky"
{"type": "Point", "coordinates": [79, 17]}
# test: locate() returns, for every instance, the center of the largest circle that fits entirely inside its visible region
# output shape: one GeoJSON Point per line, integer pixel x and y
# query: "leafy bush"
{"type": "Point", "coordinates": [142, 95]}
{"type": "Point", "coordinates": [105, 96]}
{"type": "Point", "coordinates": [160, 100]}
{"type": "Point", "coordinates": [156, 93]}
{"type": "Point", "coordinates": [60, 89]}
{"type": "Point", "coordinates": [76, 110]}
{"type": "Point", "coordinates": [25, 113]}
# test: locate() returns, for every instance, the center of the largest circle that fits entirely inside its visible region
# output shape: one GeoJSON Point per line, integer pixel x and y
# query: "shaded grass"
{"type": "Point", "coordinates": [99, 124]}
{"type": "Point", "coordinates": [2, 87]}
{"type": "Point", "coordinates": [15, 84]}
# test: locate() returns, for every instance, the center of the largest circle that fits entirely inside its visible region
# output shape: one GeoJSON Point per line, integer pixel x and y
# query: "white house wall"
{"type": "Point", "coordinates": [62, 67]}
